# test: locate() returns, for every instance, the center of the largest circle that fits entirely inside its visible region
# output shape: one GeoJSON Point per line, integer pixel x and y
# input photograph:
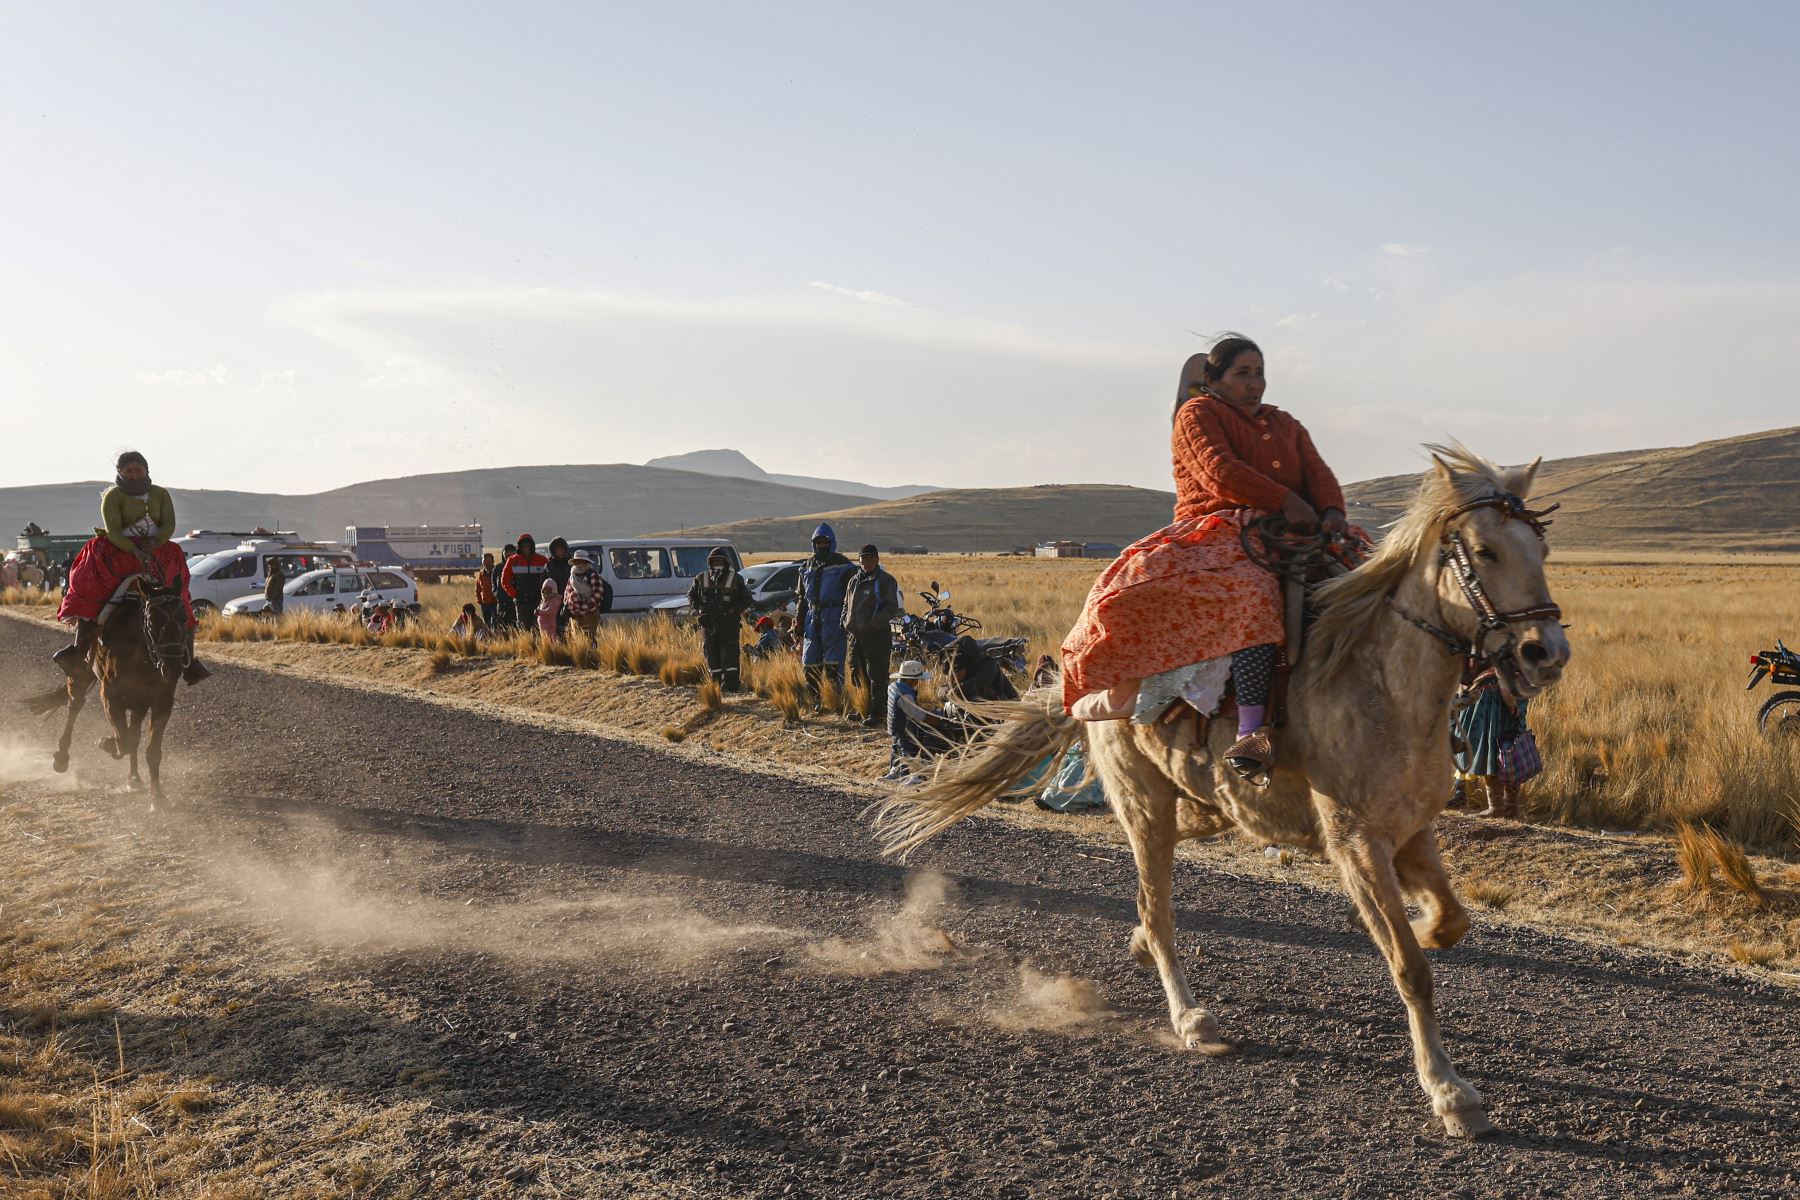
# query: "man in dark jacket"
{"type": "Point", "coordinates": [522, 578]}
{"type": "Point", "coordinates": [823, 578]}
{"type": "Point", "coordinates": [504, 615]}
{"type": "Point", "coordinates": [871, 602]}
{"type": "Point", "coordinates": [272, 588]}
{"type": "Point", "coordinates": [720, 598]}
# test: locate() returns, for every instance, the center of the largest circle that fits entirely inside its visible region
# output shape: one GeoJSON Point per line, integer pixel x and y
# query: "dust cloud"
{"type": "Point", "coordinates": [361, 898]}
{"type": "Point", "coordinates": [24, 761]}
{"type": "Point", "coordinates": [909, 940]}
{"type": "Point", "coordinates": [1051, 1004]}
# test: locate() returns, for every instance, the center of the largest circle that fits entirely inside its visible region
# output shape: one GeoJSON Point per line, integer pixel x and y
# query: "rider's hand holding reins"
{"type": "Point", "coordinates": [1298, 513]}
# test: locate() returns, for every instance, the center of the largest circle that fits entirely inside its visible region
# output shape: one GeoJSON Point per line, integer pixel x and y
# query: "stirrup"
{"type": "Point", "coordinates": [73, 661]}
{"type": "Point", "coordinates": [1252, 757]}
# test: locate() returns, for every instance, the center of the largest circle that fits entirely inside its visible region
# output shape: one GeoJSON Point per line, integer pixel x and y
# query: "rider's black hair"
{"type": "Point", "coordinates": [127, 457]}
{"type": "Point", "coordinates": [1202, 369]}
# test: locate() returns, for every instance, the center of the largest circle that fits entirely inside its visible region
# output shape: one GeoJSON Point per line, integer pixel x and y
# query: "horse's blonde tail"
{"type": "Point", "coordinates": [994, 762]}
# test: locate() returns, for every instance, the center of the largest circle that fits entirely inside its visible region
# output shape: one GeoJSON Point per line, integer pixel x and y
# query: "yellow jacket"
{"type": "Point", "coordinates": [120, 511]}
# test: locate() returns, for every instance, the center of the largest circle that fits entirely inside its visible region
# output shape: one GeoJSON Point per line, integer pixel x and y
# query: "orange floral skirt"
{"type": "Point", "coordinates": [1182, 595]}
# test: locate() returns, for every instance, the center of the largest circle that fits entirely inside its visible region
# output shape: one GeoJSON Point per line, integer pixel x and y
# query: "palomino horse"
{"type": "Point", "coordinates": [138, 661]}
{"type": "Point", "coordinates": [1363, 766]}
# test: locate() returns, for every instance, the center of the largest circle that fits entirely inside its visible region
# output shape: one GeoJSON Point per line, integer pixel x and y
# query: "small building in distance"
{"type": "Point", "coordinates": [1070, 548]}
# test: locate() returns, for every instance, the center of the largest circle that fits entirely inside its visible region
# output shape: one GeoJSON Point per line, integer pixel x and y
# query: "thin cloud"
{"type": "Point", "coordinates": [218, 374]}
{"type": "Point", "coordinates": [866, 297]}
{"type": "Point", "coordinates": [1295, 320]}
{"type": "Point", "coordinates": [1404, 250]}
{"type": "Point", "coordinates": [1332, 283]}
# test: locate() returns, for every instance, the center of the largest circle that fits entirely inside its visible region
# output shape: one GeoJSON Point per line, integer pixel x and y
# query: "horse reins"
{"type": "Point", "coordinates": [1456, 557]}
{"type": "Point", "coordinates": [161, 651]}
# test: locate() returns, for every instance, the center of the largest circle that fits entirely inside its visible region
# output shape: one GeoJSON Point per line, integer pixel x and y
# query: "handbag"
{"type": "Point", "coordinates": [1520, 760]}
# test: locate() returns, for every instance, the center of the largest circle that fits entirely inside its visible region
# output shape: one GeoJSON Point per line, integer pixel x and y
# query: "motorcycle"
{"type": "Point", "coordinates": [1780, 713]}
{"type": "Point", "coordinates": [928, 638]}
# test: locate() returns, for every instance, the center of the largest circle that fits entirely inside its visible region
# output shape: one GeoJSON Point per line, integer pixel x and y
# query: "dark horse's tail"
{"type": "Point", "coordinates": [39, 705]}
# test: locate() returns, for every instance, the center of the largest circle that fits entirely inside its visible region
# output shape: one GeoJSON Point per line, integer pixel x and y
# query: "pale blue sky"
{"type": "Point", "coordinates": [292, 247]}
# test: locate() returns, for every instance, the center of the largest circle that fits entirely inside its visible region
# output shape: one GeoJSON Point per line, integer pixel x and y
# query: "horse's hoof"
{"type": "Point", "coordinates": [59, 763]}
{"type": "Point", "coordinates": [111, 746]}
{"type": "Point", "coordinates": [1140, 947]}
{"type": "Point", "coordinates": [135, 786]}
{"type": "Point", "coordinates": [1200, 1033]}
{"type": "Point", "coordinates": [1469, 1123]}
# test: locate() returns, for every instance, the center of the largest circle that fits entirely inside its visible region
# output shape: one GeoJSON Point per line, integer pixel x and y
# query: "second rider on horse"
{"type": "Point", "coordinates": [137, 521]}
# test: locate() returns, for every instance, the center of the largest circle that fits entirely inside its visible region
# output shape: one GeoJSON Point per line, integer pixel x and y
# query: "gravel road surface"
{"type": "Point", "coordinates": [735, 992]}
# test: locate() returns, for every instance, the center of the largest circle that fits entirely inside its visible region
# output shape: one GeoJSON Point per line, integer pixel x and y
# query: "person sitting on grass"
{"type": "Point", "coordinates": [768, 637]}
{"type": "Point", "coordinates": [470, 624]}
{"type": "Point", "coordinates": [917, 734]}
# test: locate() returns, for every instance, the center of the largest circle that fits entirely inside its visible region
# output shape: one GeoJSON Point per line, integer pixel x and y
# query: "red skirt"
{"type": "Point", "coordinates": [101, 567]}
{"type": "Point", "coordinates": [1182, 595]}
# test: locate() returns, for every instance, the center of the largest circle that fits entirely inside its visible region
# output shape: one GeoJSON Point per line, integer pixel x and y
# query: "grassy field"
{"type": "Point", "coordinates": [1651, 728]}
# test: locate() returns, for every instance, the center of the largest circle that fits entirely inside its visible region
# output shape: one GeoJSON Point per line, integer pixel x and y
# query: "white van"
{"type": "Point", "coordinates": [218, 579]}
{"type": "Point", "coordinates": [645, 570]}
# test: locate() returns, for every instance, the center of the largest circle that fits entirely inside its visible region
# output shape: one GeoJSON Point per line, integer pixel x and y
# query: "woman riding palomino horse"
{"type": "Point", "coordinates": [1188, 593]}
{"type": "Point", "coordinates": [137, 521]}
{"type": "Point", "coordinates": [1366, 750]}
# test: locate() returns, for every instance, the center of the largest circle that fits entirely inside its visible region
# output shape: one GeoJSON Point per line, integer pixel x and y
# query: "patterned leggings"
{"type": "Point", "coordinates": [1252, 668]}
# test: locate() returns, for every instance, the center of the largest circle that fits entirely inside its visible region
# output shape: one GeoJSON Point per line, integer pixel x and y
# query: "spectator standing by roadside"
{"type": "Point", "coordinates": [507, 611]}
{"type": "Point", "coordinates": [484, 591]}
{"type": "Point", "coordinates": [274, 592]}
{"type": "Point", "coordinates": [557, 570]}
{"type": "Point", "coordinates": [523, 577]}
{"type": "Point", "coordinates": [720, 598]}
{"type": "Point", "coordinates": [871, 602]}
{"type": "Point", "coordinates": [588, 594]}
{"type": "Point", "coordinates": [823, 578]}
{"type": "Point", "coordinates": [549, 607]}
{"type": "Point", "coordinates": [1493, 744]}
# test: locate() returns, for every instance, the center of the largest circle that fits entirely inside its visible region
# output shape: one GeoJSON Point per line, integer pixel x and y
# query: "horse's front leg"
{"type": "Point", "coordinates": [1367, 866]}
{"type": "Point", "coordinates": [159, 720]}
{"type": "Point", "coordinates": [78, 690]}
{"type": "Point", "coordinates": [133, 734]}
{"type": "Point", "coordinates": [1443, 920]}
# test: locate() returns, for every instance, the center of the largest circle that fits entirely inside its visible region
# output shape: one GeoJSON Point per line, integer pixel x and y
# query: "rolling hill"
{"type": "Point", "coordinates": [1739, 494]}
{"type": "Point", "coordinates": [1736, 494]}
{"type": "Point", "coordinates": [576, 501]}
{"type": "Point", "coordinates": [971, 519]}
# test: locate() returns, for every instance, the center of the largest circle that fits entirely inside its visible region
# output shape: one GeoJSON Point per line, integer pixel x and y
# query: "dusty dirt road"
{"type": "Point", "coordinates": [634, 975]}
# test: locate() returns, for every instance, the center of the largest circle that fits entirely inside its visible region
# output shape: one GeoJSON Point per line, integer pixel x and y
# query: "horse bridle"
{"type": "Point", "coordinates": [1454, 555]}
{"type": "Point", "coordinates": [164, 650]}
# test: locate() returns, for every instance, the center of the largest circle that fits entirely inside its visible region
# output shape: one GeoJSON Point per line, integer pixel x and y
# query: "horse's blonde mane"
{"type": "Point", "coordinates": [1350, 603]}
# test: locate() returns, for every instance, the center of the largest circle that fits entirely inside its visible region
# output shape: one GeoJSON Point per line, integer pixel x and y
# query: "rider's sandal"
{"type": "Point", "coordinates": [1252, 757]}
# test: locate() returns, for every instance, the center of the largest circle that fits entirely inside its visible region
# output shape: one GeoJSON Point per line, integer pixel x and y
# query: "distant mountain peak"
{"type": "Point", "coordinates": [737, 465]}
{"type": "Point", "coordinates": [711, 462]}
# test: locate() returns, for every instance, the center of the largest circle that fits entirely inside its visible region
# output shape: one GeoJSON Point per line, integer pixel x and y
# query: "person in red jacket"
{"type": "Point", "coordinates": [484, 591]}
{"type": "Point", "coordinates": [523, 579]}
{"type": "Point", "coordinates": [1188, 593]}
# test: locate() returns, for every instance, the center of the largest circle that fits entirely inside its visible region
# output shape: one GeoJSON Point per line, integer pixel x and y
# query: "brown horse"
{"type": "Point", "coordinates": [138, 660]}
{"type": "Point", "coordinates": [1364, 765]}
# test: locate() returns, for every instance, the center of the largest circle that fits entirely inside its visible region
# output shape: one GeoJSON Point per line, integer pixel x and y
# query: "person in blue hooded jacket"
{"type": "Point", "coordinates": [824, 580]}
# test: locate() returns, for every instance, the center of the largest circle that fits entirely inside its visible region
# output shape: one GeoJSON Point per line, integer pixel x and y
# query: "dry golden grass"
{"type": "Point", "coordinates": [1650, 729]}
{"type": "Point", "coordinates": [1700, 849]}
{"type": "Point", "coordinates": [31, 597]}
